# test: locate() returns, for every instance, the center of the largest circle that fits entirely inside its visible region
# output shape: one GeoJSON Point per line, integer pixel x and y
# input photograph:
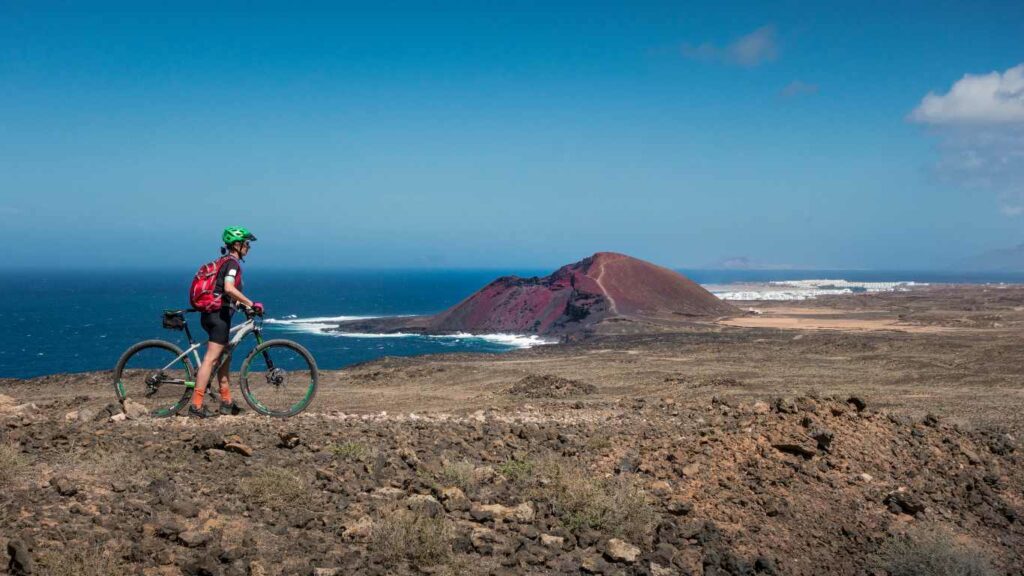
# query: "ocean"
{"type": "Point", "coordinates": [75, 321]}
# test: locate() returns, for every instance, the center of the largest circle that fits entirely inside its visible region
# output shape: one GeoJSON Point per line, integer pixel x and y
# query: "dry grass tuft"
{"type": "Point", "coordinates": [401, 535]}
{"type": "Point", "coordinates": [617, 505]}
{"type": "Point", "coordinates": [352, 451]}
{"type": "Point", "coordinates": [81, 561]}
{"type": "Point", "coordinates": [932, 552]}
{"type": "Point", "coordinates": [460, 474]}
{"type": "Point", "coordinates": [516, 471]}
{"type": "Point", "coordinates": [13, 465]}
{"type": "Point", "coordinates": [276, 488]}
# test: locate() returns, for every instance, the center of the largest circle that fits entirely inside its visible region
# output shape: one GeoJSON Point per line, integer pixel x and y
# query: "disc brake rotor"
{"type": "Point", "coordinates": [276, 376]}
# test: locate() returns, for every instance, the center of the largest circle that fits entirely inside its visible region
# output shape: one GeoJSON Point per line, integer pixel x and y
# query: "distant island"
{"type": "Point", "coordinates": [570, 301]}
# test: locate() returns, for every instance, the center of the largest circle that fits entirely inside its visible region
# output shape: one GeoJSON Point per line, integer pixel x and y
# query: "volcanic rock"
{"type": "Point", "coordinates": [621, 551]}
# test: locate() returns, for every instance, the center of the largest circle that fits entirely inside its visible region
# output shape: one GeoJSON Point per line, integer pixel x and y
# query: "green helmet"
{"type": "Point", "coordinates": [234, 234]}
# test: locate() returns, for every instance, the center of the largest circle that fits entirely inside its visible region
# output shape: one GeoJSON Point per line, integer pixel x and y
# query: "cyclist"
{"type": "Point", "coordinates": [217, 324]}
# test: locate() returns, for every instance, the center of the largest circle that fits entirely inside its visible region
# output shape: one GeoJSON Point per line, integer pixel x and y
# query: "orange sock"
{"type": "Point", "coordinates": [197, 397]}
{"type": "Point", "coordinates": [225, 394]}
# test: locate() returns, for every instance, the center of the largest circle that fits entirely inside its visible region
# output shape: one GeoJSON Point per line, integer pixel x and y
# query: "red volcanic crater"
{"type": "Point", "coordinates": [573, 298]}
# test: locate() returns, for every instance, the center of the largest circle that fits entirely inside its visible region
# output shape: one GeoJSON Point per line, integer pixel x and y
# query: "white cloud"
{"type": "Point", "coordinates": [796, 88]}
{"type": "Point", "coordinates": [991, 98]}
{"type": "Point", "coordinates": [979, 125]}
{"type": "Point", "coordinates": [750, 50]}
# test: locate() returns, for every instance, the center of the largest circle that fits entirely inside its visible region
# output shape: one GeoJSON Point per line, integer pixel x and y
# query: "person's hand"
{"type": "Point", "coordinates": [257, 307]}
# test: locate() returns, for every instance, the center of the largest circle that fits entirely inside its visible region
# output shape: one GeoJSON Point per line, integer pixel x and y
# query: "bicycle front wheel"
{"type": "Point", "coordinates": [156, 374]}
{"type": "Point", "coordinates": [279, 378]}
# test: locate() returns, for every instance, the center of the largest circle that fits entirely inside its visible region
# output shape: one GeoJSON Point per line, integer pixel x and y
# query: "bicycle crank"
{"type": "Point", "coordinates": [153, 383]}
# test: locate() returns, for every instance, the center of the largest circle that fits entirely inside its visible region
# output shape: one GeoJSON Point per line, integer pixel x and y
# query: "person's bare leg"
{"type": "Point", "coordinates": [213, 351]}
{"type": "Point", "coordinates": [225, 384]}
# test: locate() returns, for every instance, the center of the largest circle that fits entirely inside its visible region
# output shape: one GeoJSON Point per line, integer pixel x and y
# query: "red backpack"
{"type": "Point", "coordinates": [203, 295]}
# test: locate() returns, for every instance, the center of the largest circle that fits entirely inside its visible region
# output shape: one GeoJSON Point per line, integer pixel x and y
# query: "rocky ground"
{"type": "Point", "coordinates": [649, 450]}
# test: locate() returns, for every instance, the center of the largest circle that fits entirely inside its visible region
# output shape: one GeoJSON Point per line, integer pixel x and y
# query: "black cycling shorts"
{"type": "Point", "coordinates": [217, 325]}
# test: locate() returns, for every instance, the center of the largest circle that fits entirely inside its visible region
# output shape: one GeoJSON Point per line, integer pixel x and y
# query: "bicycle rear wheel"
{"type": "Point", "coordinates": [279, 378]}
{"type": "Point", "coordinates": [157, 375]}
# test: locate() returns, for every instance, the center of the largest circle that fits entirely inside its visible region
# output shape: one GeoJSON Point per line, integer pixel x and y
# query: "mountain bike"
{"type": "Point", "coordinates": [277, 378]}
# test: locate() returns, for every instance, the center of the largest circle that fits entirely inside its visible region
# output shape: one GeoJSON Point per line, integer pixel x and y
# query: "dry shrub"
{"type": "Point", "coordinates": [401, 535]}
{"type": "Point", "coordinates": [78, 560]}
{"type": "Point", "coordinates": [617, 505]}
{"type": "Point", "coordinates": [932, 552]}
{"type": "Point", "coordinates": [516, 471]}
{"type": "Point", "coordinates": [352, 451]}
{"type": "Point", "coordinates": [599, 442]}
{"type": "Point", "coordinates": [12, 465]}
{"type": "Point", "coordinates": [276, 487]}
{"type": "Point", "coordinates": [100, 462]}
{"type": "Point", "coordinates": [460, 474]}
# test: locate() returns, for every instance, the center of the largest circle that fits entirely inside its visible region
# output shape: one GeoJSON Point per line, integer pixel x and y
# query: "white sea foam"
{"type": "Point", "coordinates": [805, 289]}
{"type": "Point", "coordinates": [292, 319]}
{"type": "Point", "coordinates": [515, 340]}
{"type": "Point", "coordinates": [314, 325]}
{"type": "Point", "coordinates": [368, 334]}
{"type": "Point", "coordinates": [321, 326]}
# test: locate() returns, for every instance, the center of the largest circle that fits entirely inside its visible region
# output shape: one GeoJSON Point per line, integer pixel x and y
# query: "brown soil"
{"type": "Point", "coordinates": [711, 449]}
{"type": "Point", "coordinates": [547, 386]}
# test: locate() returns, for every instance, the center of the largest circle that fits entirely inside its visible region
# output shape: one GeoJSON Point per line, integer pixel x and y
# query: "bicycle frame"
{"type": "Point", "coordinates": [253, 324]}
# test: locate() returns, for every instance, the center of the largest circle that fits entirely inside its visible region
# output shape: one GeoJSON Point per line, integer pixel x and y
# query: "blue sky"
{"type": "Point", "coordinates": [464, 135]}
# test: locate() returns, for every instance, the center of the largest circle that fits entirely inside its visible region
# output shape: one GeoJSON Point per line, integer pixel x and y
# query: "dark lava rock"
{"type": "Point", "coordinates": [206, 440]}
{"type": "Point", "coordinates": [823, 437]}
{"type": "Point", "coordinates": [1001, 445]}
{"type": "Point", "coordinates": [481, 514]}
{"type": "Point", "coordinates": [629, 463]}
{"type": "Point", "coordinates": [204, 567]}
{"type": "Point", "coordinates": [764, 565]}
{"type": "Point", "coordinates": [289, 440]}
{"type": "Point", "coordinates": [64, 486]}
{"type": "Point", "coordinates": [930, 420]}
{"type": "Point", "coordinates": [595, 565]}
{"type": "Point", "coordinates": [549, 386]}
{"type": "Point", "coordinates": [801, 450]}
{"type": "Point", "coordinates": [679, 507]}
{"type": "Point", "coordinates": [785, 406]}
{"type": "Point", "coordinates": [903, 501]}
{"type": "Point", "coordinates": [107, 411]}
{"type": "Point", "coordinates": [857, 403]}
{"type": "Point", "coordinates": [169, 527]}
{"type": "Point", "coordinates": [185, 508]}
{"type": "Point", "coordinates": [20, 560]}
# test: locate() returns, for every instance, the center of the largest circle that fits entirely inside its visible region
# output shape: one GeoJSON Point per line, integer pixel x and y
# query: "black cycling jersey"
{"type": "Point", "coordinates": [230, 269]}
{"type": "Point", "coordinates": [218, 324]}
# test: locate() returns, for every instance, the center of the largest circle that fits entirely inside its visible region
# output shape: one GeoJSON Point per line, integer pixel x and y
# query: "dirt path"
{"type": "Point", "coordinates": [803, 322]}
{"type": "Point", "coordinates": [611, 301]}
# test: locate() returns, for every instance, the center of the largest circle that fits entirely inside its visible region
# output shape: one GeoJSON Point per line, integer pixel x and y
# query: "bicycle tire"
{"type": "Point", "coordinates": [162, 408]}
{"type": "Point", "coordinates": [253, 398]}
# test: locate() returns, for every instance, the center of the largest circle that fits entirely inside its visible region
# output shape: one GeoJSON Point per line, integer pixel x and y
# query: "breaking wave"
{"type": "Point", "coordinates": [805, 289]}
{"type": "Point", "coordinates": [318, 326]}
{"type": "Point", "coordinates": [315, 325]}
{"type": "Point", "coordinates": [514, 340]}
